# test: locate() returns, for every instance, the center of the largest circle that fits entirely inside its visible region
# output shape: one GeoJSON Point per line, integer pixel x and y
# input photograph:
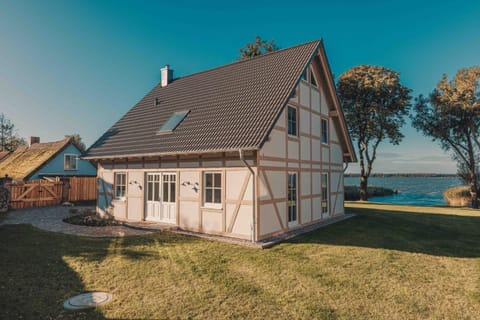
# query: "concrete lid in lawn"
{"type": "Point", "coordinates": [87, 300]}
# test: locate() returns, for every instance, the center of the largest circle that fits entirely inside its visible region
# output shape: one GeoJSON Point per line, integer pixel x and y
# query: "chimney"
{"type": "Point", "coordinates": [166, 75]}
{"type": "Point", "coordinates": [33, 140]}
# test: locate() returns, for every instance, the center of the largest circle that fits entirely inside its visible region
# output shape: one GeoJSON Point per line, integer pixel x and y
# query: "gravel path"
{"type": "Point", "coordinates": [51, 219]}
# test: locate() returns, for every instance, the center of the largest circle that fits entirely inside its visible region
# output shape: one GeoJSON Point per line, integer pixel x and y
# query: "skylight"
{"type": "Point", "coordinates": [173, 122]}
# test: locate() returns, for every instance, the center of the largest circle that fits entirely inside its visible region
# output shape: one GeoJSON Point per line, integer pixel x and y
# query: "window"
{"type": "Point", "coordinates": [120, 184]}
{"type": "Point", "coordinates": [292, 121]}
{"type": "Point", "coordinates": [324, 187]}
{"type": "Point", "coordinates": [173, 122]}
{"type": "Point", "coordinates": [70, 162]}
{"type": "Point", "coordinates": [212, 182]}
{"type": "Point", "coordinates": [304, 75]}
{"type": "Point", "coordinates": [292, 197]}
{"type": "Point", "coordinates": [324, 131]}
{"type": "Point", "coordinates": [312, 79]}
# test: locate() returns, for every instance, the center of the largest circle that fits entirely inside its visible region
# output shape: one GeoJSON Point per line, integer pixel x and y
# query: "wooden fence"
{"type": "Point", "coordinates": [82, 188]}
{"type": "Point", "coordinates": [40, 193]}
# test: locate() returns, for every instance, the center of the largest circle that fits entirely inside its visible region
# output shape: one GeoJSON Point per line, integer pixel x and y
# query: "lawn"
{"type": "Point", "coordinates": [388, 262]}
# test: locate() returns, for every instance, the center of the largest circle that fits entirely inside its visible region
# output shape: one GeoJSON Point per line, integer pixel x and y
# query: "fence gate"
{"type": "Point", "coordinates": [36, 193]}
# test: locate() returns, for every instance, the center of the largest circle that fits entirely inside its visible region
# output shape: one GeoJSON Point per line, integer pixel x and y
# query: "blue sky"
{"type": "Point", "coordinates": [78, 66]}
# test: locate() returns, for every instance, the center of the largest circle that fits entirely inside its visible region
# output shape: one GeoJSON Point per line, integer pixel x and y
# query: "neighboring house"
{"type": "Point", "coordinates": [46, 160]}
{"type": "Point", "coordinates": [248, 150]}
{"type": "Point", "coordinates": [4, 155]}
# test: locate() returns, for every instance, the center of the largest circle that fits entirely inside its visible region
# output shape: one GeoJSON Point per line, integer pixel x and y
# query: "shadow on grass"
{"type": "Point", "coordinates": [35, 281]}
{"type": "Point", "coordinates": [434, 234]}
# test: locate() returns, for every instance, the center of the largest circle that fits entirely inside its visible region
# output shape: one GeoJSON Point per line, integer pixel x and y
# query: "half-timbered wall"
{"type": "Point", "coordinates": [233, 218]}
{"type": "Point", "coordinates": [305, 155]}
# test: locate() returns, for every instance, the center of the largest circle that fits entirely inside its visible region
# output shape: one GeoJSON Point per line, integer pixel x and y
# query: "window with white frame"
{"type": "Point", "coordinates": [212, 190]}
{"type": "Point", "coordinates": [70, 162]}
{"type": "Point", "coordinates": [292, 197]}
{"type": "Point", "coordinates": [292, 121]}
{"type": "Point", "coordinates": [120, 185]}
{"type": "Point", "coordinates": [324, 186]}
{"type": "Point", "coordinates": [324, 131]}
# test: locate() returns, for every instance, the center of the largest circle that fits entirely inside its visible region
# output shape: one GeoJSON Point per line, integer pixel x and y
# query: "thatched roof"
{"type": "Point", "coordinates": [26, 160]}
{"type": "Point", "coordinates": [4, 155]}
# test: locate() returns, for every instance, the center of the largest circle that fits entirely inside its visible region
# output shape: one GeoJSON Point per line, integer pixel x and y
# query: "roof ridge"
{"type": "Point", "coordinates": [64, 140]}
{"type": "Point", "coordinates": [250, 59]}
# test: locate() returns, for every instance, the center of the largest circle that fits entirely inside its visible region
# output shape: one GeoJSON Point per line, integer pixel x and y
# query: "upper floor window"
{"type": "Point", "coordinates": [309, 76]}
{"type": "Point", "coordinates": [292, 121]}
{"type": "Point", "coordinates": [312, 79]}
{"type": "Point", "coordinates": [324, 131]}
{"type": "Point", "coordinates": [120, 184]}
{"type": "Point", "coordinates": [70, 162]}
{"type": "Point", "coordinates": [304, 75]}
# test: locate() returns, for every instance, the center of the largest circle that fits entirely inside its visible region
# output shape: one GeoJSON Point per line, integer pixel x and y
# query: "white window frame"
{"type": "Point", "coordinates": [65, 161]}
{"type": "Point", "coordinates": [116, 195]}
{"type": "Point", "coordinates": [296, 122]}
{"type": "Point", "coordinates": [321, 130]}
{"type": "Point", "coordinates": [293, 222]}
{"type": "Point", "coordinates": [212, 205]}
{"type": "Point", "coordinates": [325, 199]}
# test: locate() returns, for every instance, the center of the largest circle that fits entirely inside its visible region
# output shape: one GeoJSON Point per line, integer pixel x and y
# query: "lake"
{"type": "Point", "coordinates": [421, 191]}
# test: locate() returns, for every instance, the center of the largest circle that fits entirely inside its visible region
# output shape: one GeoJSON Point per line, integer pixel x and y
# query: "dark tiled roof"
{"type": "Point", "coordinates": [231, 107]}
{"type": "Point", "coordinates": [26, 160]}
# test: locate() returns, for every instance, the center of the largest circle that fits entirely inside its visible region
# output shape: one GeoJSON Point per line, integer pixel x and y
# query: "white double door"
{"type": "Point", "coordinates": [160, 197]}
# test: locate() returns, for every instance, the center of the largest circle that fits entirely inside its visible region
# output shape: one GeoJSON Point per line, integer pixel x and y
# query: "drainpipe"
{"type": "Point", "coordinates": [254, 223]}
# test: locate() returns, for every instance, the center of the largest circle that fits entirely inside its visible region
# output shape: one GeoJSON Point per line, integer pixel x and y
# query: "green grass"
{"type": "Point", "coordinates": [388, 262]}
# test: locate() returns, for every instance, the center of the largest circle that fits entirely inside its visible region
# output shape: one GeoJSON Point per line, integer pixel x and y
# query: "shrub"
{"type": "Point", "coordinates": [352, 193]}
{"type": "Point", "coordinates": [458, 196]}
{"type": "Point", "coordinates": [91, 219]}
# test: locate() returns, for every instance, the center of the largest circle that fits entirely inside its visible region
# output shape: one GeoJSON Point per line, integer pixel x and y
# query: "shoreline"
{"type": "Point", "coordinates": [404, 175]}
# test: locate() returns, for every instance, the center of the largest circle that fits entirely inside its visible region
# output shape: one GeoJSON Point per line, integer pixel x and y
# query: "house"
{"type": "Point", "coordinates": [46, 160]}
{"type": "Point", "coordinates": [247, 150]}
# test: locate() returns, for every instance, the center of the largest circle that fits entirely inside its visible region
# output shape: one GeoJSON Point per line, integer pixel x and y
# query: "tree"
{"type": "Point", "coordinates": [375, 106]}
{"type": "Point", "coordinates": [463, 172]}
{"type": "Point", "coordinates": [256, 48]}
{"type": "Point", "coordinates": [14, 141]}
{"type": "Point", "coordinates": [9, 139]}
{"type": "Point", "coordinates": [77, 140]}
{"type": "Point", "coordinates": [450, 115]}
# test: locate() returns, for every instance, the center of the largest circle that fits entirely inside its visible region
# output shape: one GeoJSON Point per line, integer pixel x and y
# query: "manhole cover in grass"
{"type": "Point", "coordinates": [87, 300]}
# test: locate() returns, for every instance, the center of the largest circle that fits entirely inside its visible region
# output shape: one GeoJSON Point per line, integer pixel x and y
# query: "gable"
{"type": "Point", "coordinates": [322, 101]}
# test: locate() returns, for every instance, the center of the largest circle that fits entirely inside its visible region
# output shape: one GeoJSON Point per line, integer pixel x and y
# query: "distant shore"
{"type": "Point", "coordinates": [404, 175]}
{"type": "Point", "coordinates": [352, 193]}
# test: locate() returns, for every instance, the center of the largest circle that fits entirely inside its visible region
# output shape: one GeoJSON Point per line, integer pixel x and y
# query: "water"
{"type": "Point", "coordinates": [421, 191]}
